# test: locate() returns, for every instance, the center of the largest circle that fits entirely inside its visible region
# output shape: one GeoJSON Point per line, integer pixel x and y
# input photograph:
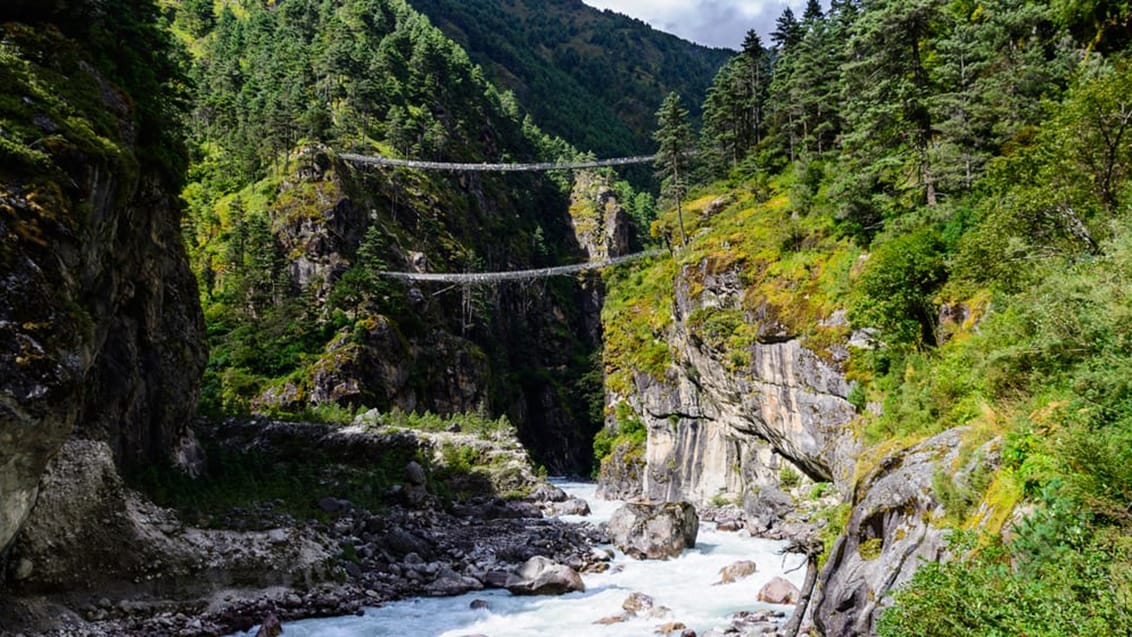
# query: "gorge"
{"type": "Point", "coordinates": [883, 323]}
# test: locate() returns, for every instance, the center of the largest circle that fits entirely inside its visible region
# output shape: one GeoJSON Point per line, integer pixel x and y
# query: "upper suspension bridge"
{"type": "Point", "coordinates": [470, 278]}
{"type": "Point", "coordinates": [378, 160]}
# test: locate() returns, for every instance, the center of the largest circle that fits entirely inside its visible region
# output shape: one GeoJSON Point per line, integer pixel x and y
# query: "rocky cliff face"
{"type": "Point", "coordinates": [741, 423]}
{"type": "Point", "coordinates": [716, 428]}
{"type": "Point", "coordinates": [101, 332]}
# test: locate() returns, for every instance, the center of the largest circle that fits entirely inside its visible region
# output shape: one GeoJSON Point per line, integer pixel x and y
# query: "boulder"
{"type": "Point", "coordinates": [654, 530]}
{"type": "Point", "coordinates": [546, 492]}
{"type": "Point", "coordinates": [779, 591]}
{"type": "Point", "coordinates": [543, 576]}
{"type": "Point", "coordinates": [736, 571]}
{"type": "Point", "coordinates": [270, 627]}
{"type": "Point", "coordinates": [573, 506]}
{"type": "Point", "coordinates": [890, 533]}
{"type": "Point", "coordinates": [415, 473]}
{"type": "Point", "coordinates": [638, 602]}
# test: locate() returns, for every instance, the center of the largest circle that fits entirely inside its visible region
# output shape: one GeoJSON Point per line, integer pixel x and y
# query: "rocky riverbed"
{"type": "Point", "coordinates": [728, 584]}
{"type": "Point", "coordinates": [377, 514]}
{"type": "Point", "coordinates": [433, 529]}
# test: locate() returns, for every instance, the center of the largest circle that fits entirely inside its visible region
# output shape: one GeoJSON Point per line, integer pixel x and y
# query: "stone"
{"type": "Point", "coordinates": [779, 591]}
{"type": "Point", "coordinates": [614, 619]}
{"type": "Point", "coordinates": [270, 627]}
{"type": "Point", "coordinates": [478, 604]}
{"type": "Point", "coordinates": [654, 530]}
{"type": "Point", "coordinates": [737, 571]}
{"type": "Point", "coordinates": [573, 506]}
{"type": "Point", "coordinates": [415, 473]}
{"type": "Point", "coordinates": [496, 579]}
{"type": "Point", "coordinates": [24, 569]}
{"type": "Point", "coordinates": [452, 585]}
{"type": "Point", "coordinates": [670, 627]}
{"type": "Point", "coordinates": [546, 492]}
{"type": "Point", "coordinates": [542, 576]}
{"type": "Point", "coordinates": [729, 525]}
{"type": "Point", "coordinates": [402, 542]}
{"type": "Point", "coordinates": [888, 536]}
{"type": "Point", "coordinates": [329, 504]}
{"type": "Point", "coordinates": [637, 602]}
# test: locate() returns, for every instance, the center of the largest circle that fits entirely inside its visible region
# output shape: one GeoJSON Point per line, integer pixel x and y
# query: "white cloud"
{"type": "Point", "coordinates": [711, 22]}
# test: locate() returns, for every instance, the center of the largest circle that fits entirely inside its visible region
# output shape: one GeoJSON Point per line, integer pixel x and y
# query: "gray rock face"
{"type": "Point", "coordinates": [88, 532]}
{"type": "Point", "coordinates": [716, 429]}
{"type": "Point", "coordinates": [101, 331]}
{"type": "Point", "coordinates": [654, 530]}
{"type": "Point", "coordinates": [889, 535]}
{"type": "Point", "coordinates": [600, 222]}
{"type": "Point", "coordinates": [543, 576]}
{"type": "Point", "coordinates": [622, 476]}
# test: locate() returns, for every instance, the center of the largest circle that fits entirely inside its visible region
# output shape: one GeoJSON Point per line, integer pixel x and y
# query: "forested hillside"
{"type": "Point", "coordinates": [955, 175]}
{"type": "Point", "coordinates": [287, 239]}
{"type": "Point", "coordinates": [592, 77]}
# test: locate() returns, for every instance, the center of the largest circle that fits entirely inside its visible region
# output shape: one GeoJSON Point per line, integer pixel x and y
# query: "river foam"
{"type": "Point", "coordinates": [686, 585]}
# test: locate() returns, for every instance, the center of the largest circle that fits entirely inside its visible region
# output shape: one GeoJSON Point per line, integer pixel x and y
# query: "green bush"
{"type": "Point", "coordinates": [788, 477]}
{"type": "Point", "coordinates": [895, 292]}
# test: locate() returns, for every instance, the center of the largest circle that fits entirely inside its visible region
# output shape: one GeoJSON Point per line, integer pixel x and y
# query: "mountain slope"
{"type": "Point", "coordinates": [594, 78]}
{"type": "Point", "coordinates": [286, 238]}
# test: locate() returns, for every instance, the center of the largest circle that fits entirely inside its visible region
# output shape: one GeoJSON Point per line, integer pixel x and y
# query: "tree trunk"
{"type": "Point", "coordinates": [795, 624]}
{"type": "Point", "coordinates": [679, 206]}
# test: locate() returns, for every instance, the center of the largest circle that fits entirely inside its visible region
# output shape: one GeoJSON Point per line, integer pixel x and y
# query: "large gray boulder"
{"type": "Point", "coordinates": [779, 591]}
{"type": "Point", "coordinates": [653, 531]}
{"type": "Point", "coordinates": [543, 576]}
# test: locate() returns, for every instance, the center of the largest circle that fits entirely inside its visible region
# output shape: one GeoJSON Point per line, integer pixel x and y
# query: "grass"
{"type": "Point", "coordinates": [293, 485]}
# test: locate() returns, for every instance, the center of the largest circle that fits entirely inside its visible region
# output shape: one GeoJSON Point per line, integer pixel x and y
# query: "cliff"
{"type": "Point", "coordinates": [735, 359]}
{"type": "Point", "coordinates": [101, 332]}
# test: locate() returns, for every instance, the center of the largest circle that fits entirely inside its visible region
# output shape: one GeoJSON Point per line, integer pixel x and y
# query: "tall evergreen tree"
{"type": "Point", "coordinates": [675, 137]}
{"type": "Point", "coordinates": [787, 30]}
{"type": "Point", "coordinates": [887, 91]}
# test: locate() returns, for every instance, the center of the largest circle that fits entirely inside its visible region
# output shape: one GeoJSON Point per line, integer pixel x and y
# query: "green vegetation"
{"type": "Point", "coordinates": [627, 437]}
{"type": "Point", "coordinates": [593, 78]}
{"type": "Point", "coordinates": [65, 99]}
{"type": "Point", "coordinates": [788, 477]}
{"type": "Point", "coordinates": [287, 240]}
{"type": "Point", "coordinates": [471, 423]}
{"type": "Point", "coordinates": [957, 177]}
{"type": "Point", "coordinates": [240, 483]}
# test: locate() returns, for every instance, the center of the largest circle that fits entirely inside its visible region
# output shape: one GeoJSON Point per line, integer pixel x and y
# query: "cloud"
{"type": "Point", "coordinates": [720, 23]}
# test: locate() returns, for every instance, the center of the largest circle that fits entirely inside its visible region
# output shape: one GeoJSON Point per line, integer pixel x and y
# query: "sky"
{"type": "Point", "coordinates": [720, 23]}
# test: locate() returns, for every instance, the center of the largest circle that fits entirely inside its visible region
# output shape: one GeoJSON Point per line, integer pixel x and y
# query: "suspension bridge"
{"type": "Point", "coordinates": [378, 160]}
{"type": "Point", "coordinates": [474, 278]}
{"type": "Point", "coordinates": [468, 278]}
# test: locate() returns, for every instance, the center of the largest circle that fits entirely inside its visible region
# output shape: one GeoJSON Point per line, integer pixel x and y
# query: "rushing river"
{"type": "Point", "coordinates": [685, 584]}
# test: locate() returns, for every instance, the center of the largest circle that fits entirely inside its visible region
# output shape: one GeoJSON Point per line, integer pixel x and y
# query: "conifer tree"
{"type": "Point", "coordinates": [675, 137]}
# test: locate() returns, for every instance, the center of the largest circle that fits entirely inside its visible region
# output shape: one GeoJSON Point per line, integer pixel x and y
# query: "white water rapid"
{"type": "Point", "coordinates": [685, 584]}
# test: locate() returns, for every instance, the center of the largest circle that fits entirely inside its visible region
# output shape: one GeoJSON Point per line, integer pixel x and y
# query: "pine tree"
{"type": "Point", "coordinates": [675, 136]}
{"type": "Point", "coordinates": [887, 90]}
{"type": "Point", "coordinates": [787, 31]}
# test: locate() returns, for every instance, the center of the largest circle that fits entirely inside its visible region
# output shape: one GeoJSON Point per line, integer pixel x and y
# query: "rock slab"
{"type": "Point", "coordinates": [543, 576]}
{"type": "Point", "coordinates": [654, 530]}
